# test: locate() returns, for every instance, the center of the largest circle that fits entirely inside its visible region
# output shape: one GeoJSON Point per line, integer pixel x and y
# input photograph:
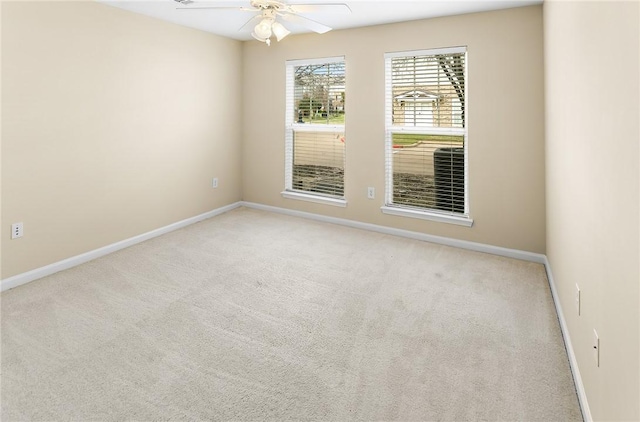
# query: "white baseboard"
{"type": "Point", "coordinates": [23, 278]}
{"type": "Point", "coordinates": [573, 362]}
{"type": "Point", "coordinates": [463, 244]}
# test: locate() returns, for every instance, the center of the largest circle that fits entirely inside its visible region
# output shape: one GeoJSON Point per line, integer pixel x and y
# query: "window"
{"type": "Point", "coordinates": [426, 135]}
{"type": "Point", "coordinates": [315, 137]}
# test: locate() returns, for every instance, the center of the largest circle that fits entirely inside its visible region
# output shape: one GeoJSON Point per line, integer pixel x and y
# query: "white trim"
{"type": "Point", "coordinates": [288, 133]}
{"type": "Point", "coordinates": [311, 127]}
{"type": "Point", "coordinates": [427, 215]}
{"type": "Point", "coordinates": [428, 130]}
{"type": "Point", "coordinates": [291, 126]}
{"type": "Point", "coordinates": [318, 60]}
{"type": "Point", "coordinates": [391, 129]}
{"type": "Point", "coordinates": [573, 362]}
{"type": "Point", "coordinates": [23, 278]}
{"type": "Point", "coordinates": [388, 135]}
{"type": "Point", "coordinates": [300, 196]}
{"type": "Point", "coordinates": [467, 201]}
{"type": "Point", "coordinates": [432, 51]}
{"type": "Point", "coordinates": [456, 243]}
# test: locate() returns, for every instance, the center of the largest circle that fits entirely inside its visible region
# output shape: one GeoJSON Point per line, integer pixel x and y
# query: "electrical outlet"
{"type": "Point", "coordinates": [214, 183]}
{"type": "Point", "coordinates": [17, 230]}
{"type": "Point", "coordinates": [371, 193]}
{"type": "Point", "coordinates": [578, 299]}
{"type": "Point", "coordinates": [596, 348]}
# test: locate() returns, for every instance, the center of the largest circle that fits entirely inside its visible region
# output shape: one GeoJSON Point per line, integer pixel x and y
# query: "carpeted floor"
{"type": "Point", "coordinates": [258, 316]}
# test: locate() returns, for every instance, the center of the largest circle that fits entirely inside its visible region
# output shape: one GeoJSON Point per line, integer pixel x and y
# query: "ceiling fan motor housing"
{"type": "Point", "coordinates": [269, 5]}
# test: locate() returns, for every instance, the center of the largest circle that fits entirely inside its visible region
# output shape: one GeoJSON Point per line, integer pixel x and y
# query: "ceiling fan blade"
{"type": "Point", "coordinates": [306, 22]}
{"type": "Point", "coordinates": [319, 8]}
{"type": "Point", "coordinates": [253, 19]}
{"type": "Point", "coordinates": [244, 9]}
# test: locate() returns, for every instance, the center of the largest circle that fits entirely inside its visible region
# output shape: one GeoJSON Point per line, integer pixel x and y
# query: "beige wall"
{"type": "Point", "coordinates": [113, 124]}
{"type": "Point", "coordinates": [506, 126]}
{"type": "Point", "coordinates": [592, 158]}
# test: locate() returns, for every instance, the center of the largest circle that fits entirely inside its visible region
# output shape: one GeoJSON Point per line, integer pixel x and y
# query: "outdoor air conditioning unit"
{"type": "Point", "coordinates": [448, 170]}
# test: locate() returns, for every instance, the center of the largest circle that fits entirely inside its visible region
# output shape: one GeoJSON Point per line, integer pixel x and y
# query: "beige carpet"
{"type": "Point", "coordinates": [258, 316]}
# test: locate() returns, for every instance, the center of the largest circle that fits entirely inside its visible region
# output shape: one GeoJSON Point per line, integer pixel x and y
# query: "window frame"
{"type": "Point", "coordinates": [463, 219]}
{"type": "Point", "coordinates": [291, 126]}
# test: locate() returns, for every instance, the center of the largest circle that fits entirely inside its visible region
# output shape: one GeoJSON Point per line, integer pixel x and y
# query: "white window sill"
{"type": "Point", "coordinates": [427, 215]}
{"type": "Point", "coordinates": [315, 198]}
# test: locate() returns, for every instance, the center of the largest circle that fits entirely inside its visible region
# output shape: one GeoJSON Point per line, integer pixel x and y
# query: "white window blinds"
{"type": "Point", "coordinates": [315, 137]}
{"type": "Point", "coordinates": [426, 145]}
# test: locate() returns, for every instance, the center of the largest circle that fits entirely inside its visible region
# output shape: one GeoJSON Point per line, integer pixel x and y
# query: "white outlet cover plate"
{"type": "Point", "coordinates": [17, 230]}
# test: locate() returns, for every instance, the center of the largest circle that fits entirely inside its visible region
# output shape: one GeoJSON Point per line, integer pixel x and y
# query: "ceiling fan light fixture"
{"type": "Point", "coordinates": [263, 29]}
{"type": "Point", "coordinates": [279, 30]}
{"type": "Point", "coordinates": [264, 40]}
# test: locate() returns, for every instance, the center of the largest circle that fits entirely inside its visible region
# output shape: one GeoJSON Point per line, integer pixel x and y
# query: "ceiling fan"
{"type": "Point", "coordinates": [268, 11]}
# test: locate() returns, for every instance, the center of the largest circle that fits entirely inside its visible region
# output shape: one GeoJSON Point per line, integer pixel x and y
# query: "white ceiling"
{"type": "Point", "coordinates": [364, 12]}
